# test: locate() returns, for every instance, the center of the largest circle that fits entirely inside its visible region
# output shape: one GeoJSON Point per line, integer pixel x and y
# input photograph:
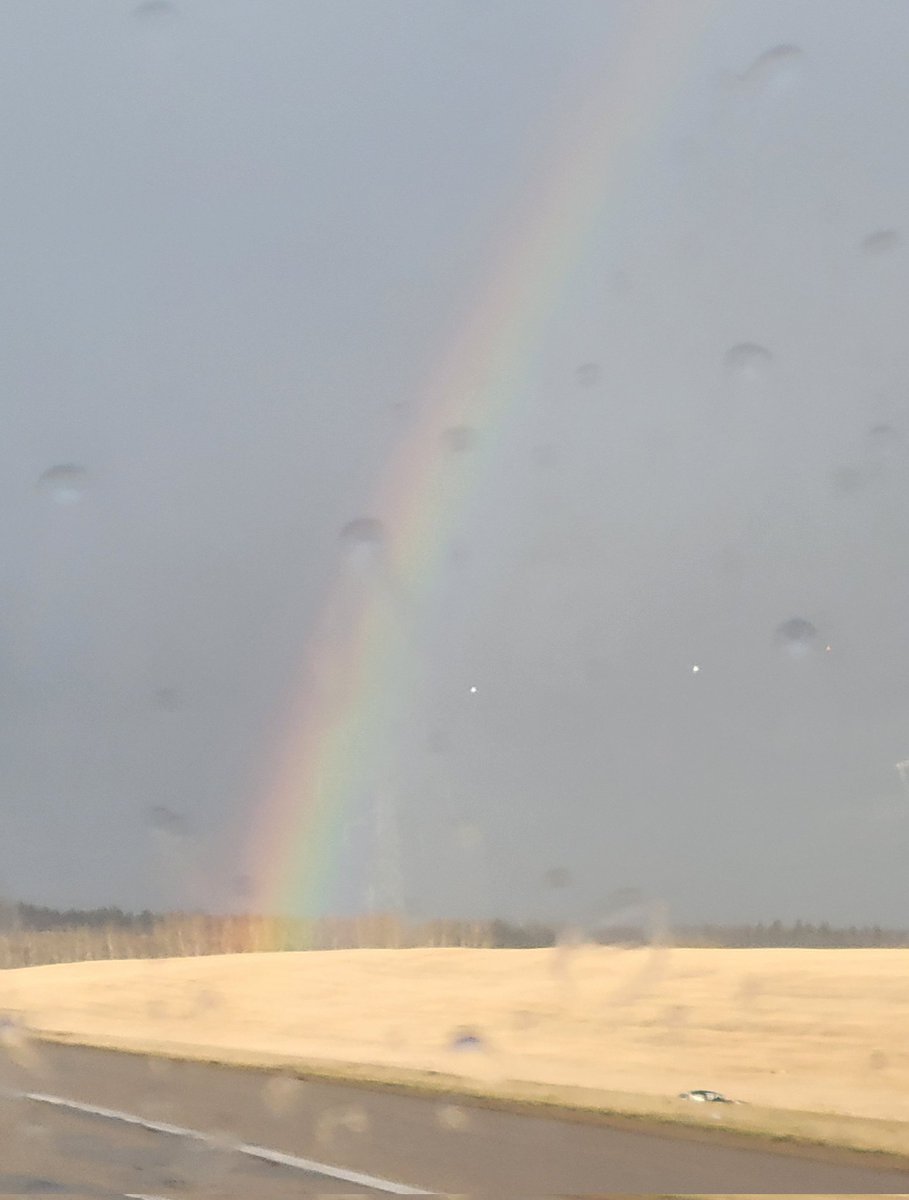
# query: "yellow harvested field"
{"type": "Point", "coordinates": [816, 1031]}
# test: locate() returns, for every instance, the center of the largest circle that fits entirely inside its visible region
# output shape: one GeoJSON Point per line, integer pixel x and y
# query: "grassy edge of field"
{"type": "Point", "coordinates": [785, 1129]}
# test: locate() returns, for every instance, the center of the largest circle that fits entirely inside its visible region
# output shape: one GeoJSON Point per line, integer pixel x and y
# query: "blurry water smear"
{"type": "Point", "coordinates": [467, 1040]}
{"type": "Point", "coordinates": [883, 439]}
{"type": "Point", "coordinates": [64, 484]}
{"type": "Point", "coordinates": [881, 242]}
{"type": "Point", "coordinates": [469, 1052]}
{"type": "Point", "coordinates": [848, 480]}
{"type": "Point", "coordinates": [281, 1094]}
{"type": "Point", "coordinates": [627, 920]}
{"type": "Point", "coordinates": [362, 542]}
{"type": "Point", "coordinates": [774, 71]}
{"type": "Point", "coordinates": [165, 820]}
{"type": "Point", "coordinates": [451, 1116]}
{"type": "Point", "coordinates": [747, 363]}
{"type": "Point", "coordinates": [589, 374]}
{"type": "Point", "coordinates": [16, 1042]}
{"type": "Point", "coordinates": [459, 439]}
{"type": "Point", "coordinates": [557, 877]}
{"type": "Point", "coordinates": [797, 637]}
{"type": "Point", "coordinates": [350, 1119]}
{"type": "Point", "coordinates": [154, 10]}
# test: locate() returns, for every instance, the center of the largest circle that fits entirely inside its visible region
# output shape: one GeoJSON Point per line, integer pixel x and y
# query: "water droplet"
{"type": "Point", "coordinates": [282, 1093]}
{"type": "Point", "coordinates": [883, 438]}
{"type": "Point", "coordinates": [363, 543]}
{"type": "Point", "coordinates": [363, 531]}
{"type": "Point", "coordinates": [459, 439]}
{"type": "Point", "coordinates": [64, 484]}
{"type": "Point", "coordinates": [877, 1060]}
{"type": "Point", "coordinates": [466, 1040]}
{"type": "Point", "coordinates": [557, 877]}
{"type": "Point", "coordinates": [774, 71]}
{"type": "Point", "coordinates": [167, 699]}
{"type": "Point", "coordinates": [748, 362]}
{"type": "Point", "coordinates": [15, 1041]}
{"type": "Point", "coordinates": [589, 374]}
{"type": "Point", "coordinates": [450, 1116]}
{"type": "Point", "coordinates": [154, 10]}
{"type": "Point", "coordinates": [164, 819]}
{"type": "Point", "coordinates": [797, 636]}
{"type": "Point", "coordinates": [881, 242]}
{"type": "Point", "coordinates": [355, 1119]}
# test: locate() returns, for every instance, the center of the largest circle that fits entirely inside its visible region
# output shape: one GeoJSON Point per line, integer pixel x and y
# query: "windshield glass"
{"type": "Point", "coordinates": [455, 541]}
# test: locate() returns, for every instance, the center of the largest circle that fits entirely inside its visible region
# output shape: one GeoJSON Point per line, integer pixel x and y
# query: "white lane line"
{"type": "Point", "coordinates": [251, 1151]}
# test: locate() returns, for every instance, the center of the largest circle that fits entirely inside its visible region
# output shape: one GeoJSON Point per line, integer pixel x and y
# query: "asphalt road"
{"type": "Point", "coordinates": [433, 1145]}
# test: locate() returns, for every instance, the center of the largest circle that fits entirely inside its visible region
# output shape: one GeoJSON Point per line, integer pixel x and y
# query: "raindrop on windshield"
{"type": "Point", "coordinates": [363, 531]}
{"type": "Point", "coordinates": [167, 699]}
{"type": "Point", "coordinates": [164, 819]}
{"type": "Point", "coordinates": [557, 877]}
{"type": "Point", "coordinates": [281, 1093]}
{"type": "Point", "coordinates": [154, 10]}
{"type": "Point", "coordinates": [467, 1041]}
{"type": "Point", "coordinates": [882, 241]}
{"type": "Point", "coordinates": [459, 439]}
{"type": "Point", "coordinates": [589, 374]}
{"type": "Point", "coordinates": [362, 542]}
{"type": "Point", "coordinates": [748, 362]}
{"type": "Point", "coordinates": [774, 70]}
{"type": "Point", "coordinates": [450, 1116]}
{"type": "Point", "coordinates": [797, 636]}
{"type": "Point", "coordinates": [64, 484]}
{"type": "Point", "coordinates": [883, 438]}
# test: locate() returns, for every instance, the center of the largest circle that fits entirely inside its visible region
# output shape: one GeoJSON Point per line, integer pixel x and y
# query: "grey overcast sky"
{"type": "Point", "coordinates": [237, 235]}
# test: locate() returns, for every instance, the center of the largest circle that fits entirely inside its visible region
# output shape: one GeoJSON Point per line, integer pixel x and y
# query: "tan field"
{"type": "Point", "coordinates": [790, 1032]}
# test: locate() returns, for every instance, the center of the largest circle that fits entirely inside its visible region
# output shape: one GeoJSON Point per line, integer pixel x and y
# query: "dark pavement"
{"type": "Point", "coordinates": [433, 1144]}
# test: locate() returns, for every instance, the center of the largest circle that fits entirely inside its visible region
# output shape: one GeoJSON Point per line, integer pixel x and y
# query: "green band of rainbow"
{"type": "Point", "coordinates": [338, 744]}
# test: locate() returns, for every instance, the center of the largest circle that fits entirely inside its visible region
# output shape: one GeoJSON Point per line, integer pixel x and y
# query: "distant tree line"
{"type": "Point", "coordinates": [800, 934]}
{"type": "Point", "coordinates": [36, 917]}
{"type": "Point", "coordinates": [31, 935]}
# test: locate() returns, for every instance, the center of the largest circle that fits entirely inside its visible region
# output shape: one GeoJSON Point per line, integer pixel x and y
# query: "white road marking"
{"type": "Point", "coordinates": [252, 1151]}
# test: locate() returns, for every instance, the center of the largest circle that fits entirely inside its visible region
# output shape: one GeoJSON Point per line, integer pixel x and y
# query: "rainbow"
{"type": "Point", "coordinates": [338, 744]}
